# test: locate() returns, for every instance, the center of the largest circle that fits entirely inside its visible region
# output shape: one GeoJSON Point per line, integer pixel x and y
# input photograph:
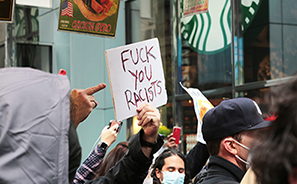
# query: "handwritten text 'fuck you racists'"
{"type": "Point", "coordinates": [136, 76]}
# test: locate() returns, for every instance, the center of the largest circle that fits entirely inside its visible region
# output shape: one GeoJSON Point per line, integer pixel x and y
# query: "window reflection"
{"type": "Point", "coordinates": [261, 97]}
{"type": "Point", "coordinates": [290, 52]}
{"type": "Point", "coordinates": [270, 42]}
{"type": "Point", "coordinates": [2, 56]}
{"type": "Point", "coordinates": [289, 11]}
{"type": "Point", "coordinates": [206, 71]}
{"type": "Point", "coordinates": [206, 48]}
{"type": "Point", "coordinates": [34, 56]}
{"type": "Point", "coordinates": [24, 38]}
{"type": "Point", "coordinates": [264, 49]}
{"type": "Point", "coordinates": [27, 24]}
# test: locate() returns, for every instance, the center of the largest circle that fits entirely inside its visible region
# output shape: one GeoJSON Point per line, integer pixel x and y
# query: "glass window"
{"type": "Point", "coordinates": [270, 41]}
{"type": "Point", "coordinates": [275, 13]}
{"type": "Point", "coordinates": [289, 11]}
{"type": "Point", "coordinates": [289, 50]}
{"type": "Point", "coordinates": [29, 48]}
{"type": "Point", "coordinates": [206, 71]}
{"type": "Point", "coordinates": [2, 32]}
{"type": "Point", "coordinates": [27, 24]}
{"type": "Point", "coordinates": [256, 42]}
{"type": "Point", "coordinates": [261, 97]}
{"type": "Point", "coordinates": [2, 56]}
{"type": "Point", "coordinates": [35, 56]}
{"type": "Point", "coordinates": [197, 50]}
{"type": "Point", "coordinates": [274, 69]}
{"type": "Point", "coordinates": [2, 44]}
{"type": "Point", "coordinates": [32, 24]}
{"type": "Point", "coordinates": [206, 48]}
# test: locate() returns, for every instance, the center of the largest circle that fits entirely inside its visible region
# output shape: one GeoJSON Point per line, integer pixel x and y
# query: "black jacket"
{"type": "Point", "coordinates": [196, 158]}
{"type": "Point", "coordinates": [221, 170]}
{"type": "Point", "coordinates": [74, 152]}
{"type": "Point", "coordinates": [133, 167]}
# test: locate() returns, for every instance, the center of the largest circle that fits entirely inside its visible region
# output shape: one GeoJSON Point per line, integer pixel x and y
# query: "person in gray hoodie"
{"type": "Point", "coordinates": [38, 139]}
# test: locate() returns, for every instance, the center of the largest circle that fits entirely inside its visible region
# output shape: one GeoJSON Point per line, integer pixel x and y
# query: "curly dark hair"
{"type": "Point", "coordinates": [275, 158]}
{"type": "Point", "coordinates": [160, 162]}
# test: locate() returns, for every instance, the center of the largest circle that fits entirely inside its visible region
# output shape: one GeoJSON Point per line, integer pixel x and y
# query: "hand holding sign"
{"type": "Point", "coordinates": [149, 120]}
{"type": "Point", "coordinates": [136, 77]}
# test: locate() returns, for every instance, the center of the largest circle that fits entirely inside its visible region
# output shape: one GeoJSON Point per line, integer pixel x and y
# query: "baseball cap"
{"type": "Point", "coordinates": [232, 116]}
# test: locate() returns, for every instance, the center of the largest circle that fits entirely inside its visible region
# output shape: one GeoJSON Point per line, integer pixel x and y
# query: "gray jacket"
{"type": "Point", "coordinates": [34, 126]}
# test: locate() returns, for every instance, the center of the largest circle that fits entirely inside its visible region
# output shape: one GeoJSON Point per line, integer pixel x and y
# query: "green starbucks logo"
{"type": "Point", "coordinates": [210, 32]}
{"type": "Point", "coordinates": [249, 9]}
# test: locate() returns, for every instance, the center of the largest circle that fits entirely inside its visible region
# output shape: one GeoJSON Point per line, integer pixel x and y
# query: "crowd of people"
{"type": "Point", "coordinates": [39, 143]}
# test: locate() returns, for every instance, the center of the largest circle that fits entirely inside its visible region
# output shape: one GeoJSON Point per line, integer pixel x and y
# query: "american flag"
{"type": "Point", "coordinates": [67, 8]}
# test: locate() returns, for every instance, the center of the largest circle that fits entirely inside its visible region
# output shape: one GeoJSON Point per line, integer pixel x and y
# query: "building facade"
{"type": "Point", "coordinates": [32, 40]}
{"type": "Point", "coordinates": [236, 49]}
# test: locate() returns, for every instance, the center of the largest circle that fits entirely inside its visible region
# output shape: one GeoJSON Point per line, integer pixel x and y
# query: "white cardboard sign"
{"type": "Point", "coordinates": [201, 106]}
{"type": "Point", "coordinates": [136, 76]}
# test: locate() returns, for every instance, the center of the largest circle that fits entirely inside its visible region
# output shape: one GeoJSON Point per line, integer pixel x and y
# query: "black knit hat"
{"type": "Point", "coordinates": [232, 116]}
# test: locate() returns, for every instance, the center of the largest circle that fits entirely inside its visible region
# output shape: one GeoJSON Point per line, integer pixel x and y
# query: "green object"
{"type": "Point", "coordinates": [210, 33]}
{"type": "Point", "coordinates": [164, 130]}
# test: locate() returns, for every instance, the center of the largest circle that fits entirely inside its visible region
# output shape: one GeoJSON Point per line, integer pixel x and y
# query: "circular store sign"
{"type": "Point", "coordinates": [210, 32]}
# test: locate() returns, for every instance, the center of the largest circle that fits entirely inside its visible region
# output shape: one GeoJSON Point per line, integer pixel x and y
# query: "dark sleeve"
{"type": "Point", "coordinates": [199, 178]}
{"type": "Point", "coordinates": [197, 158]}
{"type": "Point", "coordinates": [74, 152]}
{"type": "Point", "coordinates": [133, 167]}
{"type": "Point", "coordinates": [228, 182]}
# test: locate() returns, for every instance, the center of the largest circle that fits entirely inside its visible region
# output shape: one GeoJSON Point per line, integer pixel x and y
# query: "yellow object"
{"type": "Point", "coordinates": [164, 130]}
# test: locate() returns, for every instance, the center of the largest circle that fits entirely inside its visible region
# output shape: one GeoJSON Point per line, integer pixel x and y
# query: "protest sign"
{"type": "Point", "coordinates": [136, 76]}
{"type": "Point", "coordinates": [96, 17]}
{"type": "Point", "coordinates": [191, 7]}
{"type": "Point", "coordinates": [6, 10]}
{"type": "Point", "coordinates": [201, 106]}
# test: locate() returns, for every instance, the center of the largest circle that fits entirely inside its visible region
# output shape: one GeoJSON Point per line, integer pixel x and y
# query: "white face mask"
{"type": "Point", "coordinates": [173, 178]}
{"type": "Point", "coordinates": [246, 162]}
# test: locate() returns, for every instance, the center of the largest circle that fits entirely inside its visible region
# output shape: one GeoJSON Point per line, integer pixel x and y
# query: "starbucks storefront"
{"type": "Point", "coordinates": [236, 49]}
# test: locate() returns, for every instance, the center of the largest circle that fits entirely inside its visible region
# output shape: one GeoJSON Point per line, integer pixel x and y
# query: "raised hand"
{"type": "Point", "coordinates": [82, 102]}
{"type": "Point", "coordinates": [149, 120]}
{"type": "Point", "coordinates": [109, 134]}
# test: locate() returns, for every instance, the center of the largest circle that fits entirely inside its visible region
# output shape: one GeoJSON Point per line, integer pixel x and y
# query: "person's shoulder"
{"type": "Point", "coordinates": [228, 182]}
{"type": "Point", "coordinates": [219, 182]}
{"type": "Point", "coordinates": [201, 175]}
{"type": "Point", "coordinates": [203, 179]}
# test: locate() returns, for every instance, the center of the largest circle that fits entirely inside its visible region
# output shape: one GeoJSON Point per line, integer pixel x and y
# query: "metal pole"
{"type": "Point", "coordinates": [235, 33]}
{"type": "Point", "coordinates": [128, 20]}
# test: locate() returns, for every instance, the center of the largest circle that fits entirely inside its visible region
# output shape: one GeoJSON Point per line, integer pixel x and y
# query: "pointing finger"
{"type": "Point", "coordinates": [95, 89]}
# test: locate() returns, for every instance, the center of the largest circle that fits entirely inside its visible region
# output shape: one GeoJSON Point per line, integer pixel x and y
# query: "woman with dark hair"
{"type": "Point", "coordinates": [89, 168]}
{"type": "Point", "coordinates": [170, 167]}
{"type": "Point", "coordinates": [112, 158]}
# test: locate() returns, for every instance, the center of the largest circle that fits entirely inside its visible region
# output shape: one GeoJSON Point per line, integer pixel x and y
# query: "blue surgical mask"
{"type": "Point", "coordinates": [173, 178]}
